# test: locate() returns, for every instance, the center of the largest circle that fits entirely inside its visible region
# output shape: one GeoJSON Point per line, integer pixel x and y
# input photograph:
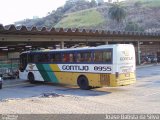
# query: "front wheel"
{"type": "Point", "coordinates": [83, 83]}
{"type": "Point", "coordinates": [31, 78]}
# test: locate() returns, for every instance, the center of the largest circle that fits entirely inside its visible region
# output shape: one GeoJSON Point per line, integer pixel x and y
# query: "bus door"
{"type": "Point", "coordinates": [23, 61]}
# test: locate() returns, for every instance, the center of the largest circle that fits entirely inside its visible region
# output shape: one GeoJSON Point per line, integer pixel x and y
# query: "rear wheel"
{"type": "Point", "coordinates": [83, 83]}
{"type": "Point", "coordinates": [31, 78]}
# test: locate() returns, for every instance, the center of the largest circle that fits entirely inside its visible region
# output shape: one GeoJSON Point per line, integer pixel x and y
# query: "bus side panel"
{"type": "Point", "coordinates": [23, 75]}
{"type": "Point", "coordinates": [52, 73]}
{"type": "Point", "coordinates": [46, 72]}
{"type": "Point", "coordinates": [36, 72]}
{"type": "Point", "coordinates": [37, 76]}
{"type": "Point", "coordinates": [71, 78]}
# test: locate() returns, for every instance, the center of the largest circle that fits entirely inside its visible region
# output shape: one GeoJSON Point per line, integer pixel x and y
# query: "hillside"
{"type": "Point", "coordinates": [84, 18]}
{"type": "Point", "coordinates": [142, 15]}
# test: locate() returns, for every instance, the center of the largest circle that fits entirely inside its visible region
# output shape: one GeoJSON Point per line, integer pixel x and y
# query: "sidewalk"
{"type": "Point", "coordinates": [147, 65]}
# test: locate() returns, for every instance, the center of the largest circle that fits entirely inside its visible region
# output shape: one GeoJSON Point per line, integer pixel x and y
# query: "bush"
{"type": "Point", "coordinates": [137, 4]}
{"type": "Point", "coordinates": [131, 26]}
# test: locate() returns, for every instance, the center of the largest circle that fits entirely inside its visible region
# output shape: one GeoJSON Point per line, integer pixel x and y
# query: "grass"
{"type": "Point", "coordinates": [85, 18]}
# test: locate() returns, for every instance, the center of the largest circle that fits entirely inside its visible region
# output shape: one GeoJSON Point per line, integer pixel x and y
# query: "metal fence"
{"type": "Point", "coordinates": [9, 67]}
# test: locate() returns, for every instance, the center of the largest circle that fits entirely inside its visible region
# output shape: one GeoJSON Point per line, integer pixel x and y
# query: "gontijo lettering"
{"type": "Point", "coordinates": [126, 58]}
{"type": "Point", "coordinates": [75, 67]}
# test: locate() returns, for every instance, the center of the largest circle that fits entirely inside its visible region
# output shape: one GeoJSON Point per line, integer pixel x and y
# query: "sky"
{"type": "Point", "coordinates": [16, 10]}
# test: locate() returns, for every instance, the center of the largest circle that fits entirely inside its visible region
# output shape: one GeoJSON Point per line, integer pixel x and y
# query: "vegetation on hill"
{"type": "Point", "coordinates": [147, 3]}
{"type": "Point", "coordinates": [131, 15]}
{"type": "Point", "coordinates": [116, 12]}
{"type": "Point", "coordinates": [85, 18]}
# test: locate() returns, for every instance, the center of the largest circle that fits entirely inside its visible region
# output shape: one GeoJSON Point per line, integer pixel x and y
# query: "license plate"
{"type": "Point", "coordinates": [127, 75]}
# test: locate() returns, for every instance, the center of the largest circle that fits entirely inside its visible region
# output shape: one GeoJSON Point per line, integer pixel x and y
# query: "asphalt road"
{"type": "Point", "coordinates": [142, 97]}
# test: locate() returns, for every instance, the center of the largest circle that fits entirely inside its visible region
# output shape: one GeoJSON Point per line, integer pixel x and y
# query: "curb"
{"type": "Point", "coordinates": [149, 65]}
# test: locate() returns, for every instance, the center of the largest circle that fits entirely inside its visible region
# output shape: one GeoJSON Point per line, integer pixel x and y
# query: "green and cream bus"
{"type": "Point", "coordinates": [88, 67]}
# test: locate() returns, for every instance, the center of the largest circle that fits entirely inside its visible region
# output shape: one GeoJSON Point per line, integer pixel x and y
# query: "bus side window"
{"type": "Point", "coordinates": [78, 57]}
{"type": "Point", "coordinates": [84, 57]}
{"type": "Point", "coordinates": [40, 57]}
{"type": "Point", "coordinates": [98, 55]}
{"type": "Point", "coordinates": [88, 57]}
{"type": "Point", "coordinates": [58, 57]}
{"type": "Point", "coordinates": [30, 58]}
{"type": "Point", "coordinates": [103, 56]}
{"type": "Point", "coordinates": [72, 57]}
{"type": "Point", "coordinates": [55, 57]}
{"type": "Point", "coordinates": [52, 57]}
{"type": "Point", "coordinates": [69, 57]}
{"type": "Point", "coordinates": [66, 57]}
{"type": "Point", "coordinates": [43, 57]}
{"type": "Point", "coordinates": [107, 56]}
{"type": "Point", "coordinates": [36, 57]}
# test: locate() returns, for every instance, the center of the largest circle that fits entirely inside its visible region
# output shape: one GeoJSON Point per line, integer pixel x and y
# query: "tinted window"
{"type": "Point", "coordinates": [39, 57]}
{"type": "Point", "coordinates": [43, 57]}
{"type": "Point", "coordinates": [69, 57]}
{"type": "Point", "coordinates": [84, 57]}
{"type": "Point", "coordinates": [23, 61]}
{"type": "Point", "coordinates": [103, 56]}
{"type": "Point", "coordinates": [55, 57]}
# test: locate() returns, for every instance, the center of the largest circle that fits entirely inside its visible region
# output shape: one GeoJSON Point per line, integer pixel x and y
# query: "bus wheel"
{"type": "Point", "coordinates": [31, 78]}
{"type": "Point", "coordinates": [83, 83]}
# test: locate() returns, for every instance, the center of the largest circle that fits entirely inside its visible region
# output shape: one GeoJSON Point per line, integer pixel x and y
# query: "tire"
{"type": "Point", "coordinates": [31, 78]}
{"type": "Point", "coordinates": [83, 83]}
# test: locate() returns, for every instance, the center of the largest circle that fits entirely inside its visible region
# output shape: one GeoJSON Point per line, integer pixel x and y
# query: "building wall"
{"type": "Point", "coordinates": [150, 49]}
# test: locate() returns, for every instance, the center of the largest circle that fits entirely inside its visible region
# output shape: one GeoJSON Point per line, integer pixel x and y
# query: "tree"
{"type": "Point", "coordinates": [117, 13]}
{"type": "Point", "coordinates": [71, 3]}
{"type": "Point", "coordinates": [68, 4]}
{"type": "Point", "coordinates": [138, 4]}
{"type": "Point", "coordinates": [100, 2]}
{"type": "Point", "coordinates": [109, 1]}
{"type": "Point", "coordinates": [93, 3]}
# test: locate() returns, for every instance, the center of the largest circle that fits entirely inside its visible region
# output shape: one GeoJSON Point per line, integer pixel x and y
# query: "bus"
{"type": "Point", "coordinates": [87, 67]}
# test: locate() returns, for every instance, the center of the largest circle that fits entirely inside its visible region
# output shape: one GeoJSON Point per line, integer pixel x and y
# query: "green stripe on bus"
{"type": "Point", "coordinates": [43, 72]}
{"type": "Point", "coordinates": [51, 74]}
{"type": "Point", "coordinates": [47, 76]}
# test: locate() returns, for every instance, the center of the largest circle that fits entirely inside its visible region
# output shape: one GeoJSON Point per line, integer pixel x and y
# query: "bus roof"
{"type": "Point", "coordinates": [80, 48]}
